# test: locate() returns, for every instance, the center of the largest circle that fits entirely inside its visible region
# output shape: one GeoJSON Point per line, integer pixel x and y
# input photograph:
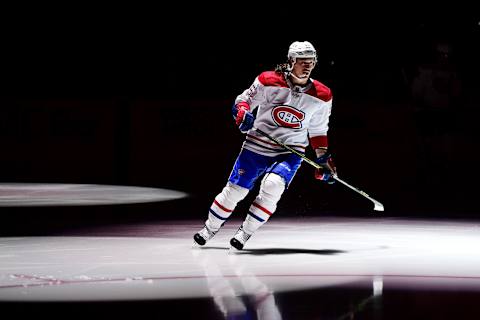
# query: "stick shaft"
{"type": "Point", "coordinates": [378, 205]}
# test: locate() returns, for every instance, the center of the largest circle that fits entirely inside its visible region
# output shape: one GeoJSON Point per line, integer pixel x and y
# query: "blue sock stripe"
{"type": "Point", "coordinates": [256, 217]}
{"type": "Point", "coordinates": [216, 215]}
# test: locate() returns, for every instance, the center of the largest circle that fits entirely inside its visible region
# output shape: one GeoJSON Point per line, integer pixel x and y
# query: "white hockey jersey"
{"type": "Point", "coordinates": [292, 114]}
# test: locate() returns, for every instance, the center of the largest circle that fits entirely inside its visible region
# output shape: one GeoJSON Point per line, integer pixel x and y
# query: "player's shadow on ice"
{"type": "Point", "coordinates": [265, 251]}
{"type": "Point", "coordinates": [279, 251]}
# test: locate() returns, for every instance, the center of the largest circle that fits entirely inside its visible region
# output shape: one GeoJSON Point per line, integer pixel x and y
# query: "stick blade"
{"type": "Point", "coordinates": [378, 206]}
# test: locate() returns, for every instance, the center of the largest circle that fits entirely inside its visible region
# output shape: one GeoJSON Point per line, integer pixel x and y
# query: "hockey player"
{"type": "Point", "coordinates": [291, 107]}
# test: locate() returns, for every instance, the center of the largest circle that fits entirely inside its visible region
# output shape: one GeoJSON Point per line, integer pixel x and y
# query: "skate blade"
{"type": "Point", "coordinates": [195, 245]}
{"type": "Point", "coordinates": [233, 250]}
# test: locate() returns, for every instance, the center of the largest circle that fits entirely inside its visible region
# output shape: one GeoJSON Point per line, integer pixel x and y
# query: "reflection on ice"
{"type": "Point", "coordinates": [254, 295]}
{"type": "Point", "coordinates": [377, 285]}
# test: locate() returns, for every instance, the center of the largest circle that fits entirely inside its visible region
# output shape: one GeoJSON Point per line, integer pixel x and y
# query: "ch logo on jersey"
{"type": "Point", "coordinates": [289, 117]}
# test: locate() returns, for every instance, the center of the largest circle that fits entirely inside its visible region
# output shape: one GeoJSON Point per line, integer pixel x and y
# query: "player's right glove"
{"type": "Point", "coordinates": [243, 117]}
{"type": "Point", "coordinates": [325, 173]}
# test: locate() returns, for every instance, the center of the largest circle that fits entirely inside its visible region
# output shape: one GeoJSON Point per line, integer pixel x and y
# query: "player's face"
{"type": "Point", "coordinates": [303, 67]}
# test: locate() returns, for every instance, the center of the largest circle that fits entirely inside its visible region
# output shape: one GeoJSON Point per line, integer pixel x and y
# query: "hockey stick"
{"type": "Point", "coordinates": [377, 205]}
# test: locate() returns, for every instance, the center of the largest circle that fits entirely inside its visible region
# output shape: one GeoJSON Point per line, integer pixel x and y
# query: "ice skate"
{"type": "Point", "coordinates": [201, 237]}
{"type": "Point", "coordinates": [239, 239]}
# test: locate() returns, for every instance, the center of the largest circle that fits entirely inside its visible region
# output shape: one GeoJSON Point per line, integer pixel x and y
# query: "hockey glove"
{"type": "Point", "coordinates": [243, 117]}
{"type": "Point", "coordinates": [325, 173]}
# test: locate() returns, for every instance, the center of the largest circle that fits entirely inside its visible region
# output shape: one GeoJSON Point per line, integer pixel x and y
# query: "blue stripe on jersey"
{"type": "Point", "coordinates": [282, 149]}
{"type": "Point", "coordinates": [216, 215]}
{"type": "Point", "coordinates": [271, 149]}
{"type": "Point", "coordinates": [256, 217]}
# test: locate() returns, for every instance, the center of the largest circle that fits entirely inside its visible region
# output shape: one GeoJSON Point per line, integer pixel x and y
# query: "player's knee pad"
{"type": "Point", "coordinates": [231, 195]}
{"type": "Point", "coordinates": [271, 188]}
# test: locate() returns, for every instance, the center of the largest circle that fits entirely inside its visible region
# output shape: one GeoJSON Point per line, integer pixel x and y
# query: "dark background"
{"type": "Point", "coordinates": [143, 109]}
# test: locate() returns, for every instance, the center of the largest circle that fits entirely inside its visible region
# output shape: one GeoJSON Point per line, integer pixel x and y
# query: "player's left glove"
{"type": "Point", "coordinates": [243, 117]}
{"type": "Point", "coordinates": [325, 173]}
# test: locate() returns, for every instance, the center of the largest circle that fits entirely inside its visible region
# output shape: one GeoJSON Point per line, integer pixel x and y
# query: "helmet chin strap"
{"type": "Point", "coordinates": [290, 73]}
{"type": "Point", "coordinates": [294, 76]}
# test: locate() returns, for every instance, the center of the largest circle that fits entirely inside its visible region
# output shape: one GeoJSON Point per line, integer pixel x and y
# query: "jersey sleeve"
{"type": "Point", "coordinates": [253, 95]}
{"type": "Point", "coordinates": [318, 128]}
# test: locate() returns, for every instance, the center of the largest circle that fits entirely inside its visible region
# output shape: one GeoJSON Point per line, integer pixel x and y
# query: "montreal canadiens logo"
{"type": "Point", "coordinates": [289, 117]}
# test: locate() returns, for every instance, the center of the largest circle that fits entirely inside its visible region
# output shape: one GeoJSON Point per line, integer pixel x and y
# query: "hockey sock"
{"type": "Point", "coordinates": [265, 203]}
{"type": "Point", "coordinates": [224, 204]}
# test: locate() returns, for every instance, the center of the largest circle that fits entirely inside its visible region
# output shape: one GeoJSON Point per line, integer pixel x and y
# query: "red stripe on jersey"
{"type": "Point", "coordinates": [319, 142]}
{"type": "Point", "coordinates": [274, 144]}
{"type": "Point", "coordinates": [221, 207]}
{"type": "Point", "coordinates": [266, 142]}
{"type": "Point", "coordinates": [262, 208]}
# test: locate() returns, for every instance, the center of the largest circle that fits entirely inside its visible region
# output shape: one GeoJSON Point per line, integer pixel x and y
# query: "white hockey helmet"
{"type": "Point", "coordinates": [299, 49]}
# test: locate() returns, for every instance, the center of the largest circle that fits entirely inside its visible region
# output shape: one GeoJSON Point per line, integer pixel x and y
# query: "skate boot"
{"type": "Point", "coordinates": [203, 236]}
{"type": "Point", "coordinates": [239, 239]}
